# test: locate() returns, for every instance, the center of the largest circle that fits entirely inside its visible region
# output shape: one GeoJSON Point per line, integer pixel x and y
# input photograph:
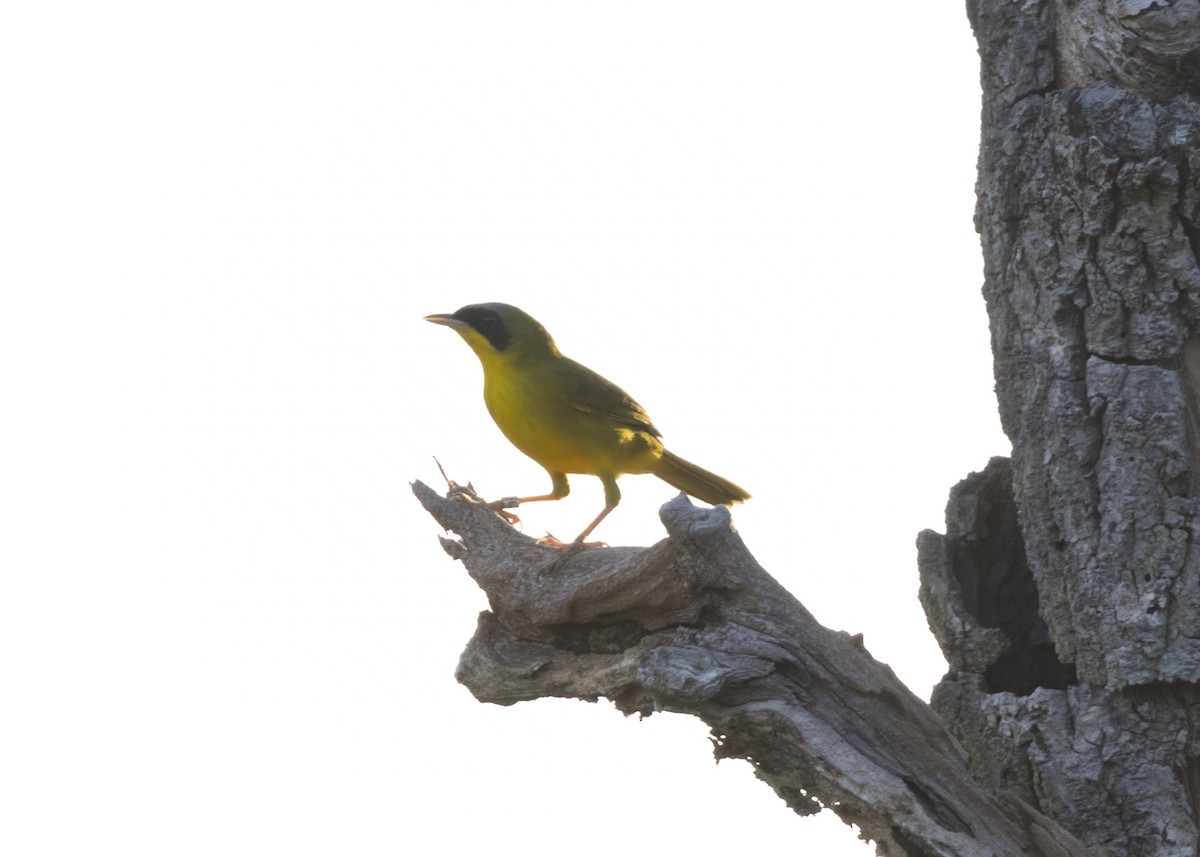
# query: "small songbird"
{"type": "Point", "coordinates": [566, 417]}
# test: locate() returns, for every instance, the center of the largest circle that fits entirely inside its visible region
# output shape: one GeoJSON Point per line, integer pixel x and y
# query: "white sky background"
{"type": "Point", "coordinates": [226, 626]}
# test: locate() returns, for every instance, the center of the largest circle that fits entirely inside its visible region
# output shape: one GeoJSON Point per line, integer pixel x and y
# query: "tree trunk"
{"type": "Point", "coordinates": [1066, 592]}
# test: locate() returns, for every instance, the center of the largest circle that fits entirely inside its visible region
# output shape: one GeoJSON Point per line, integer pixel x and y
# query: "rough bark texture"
{"type": "Point", "coordinates": [1066, 591]}
{"type": "Point", "coordinates": [693, 624]}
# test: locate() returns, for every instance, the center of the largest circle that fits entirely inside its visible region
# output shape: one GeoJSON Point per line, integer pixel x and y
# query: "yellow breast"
{"type": "Point", "coordinates": [537, 416]}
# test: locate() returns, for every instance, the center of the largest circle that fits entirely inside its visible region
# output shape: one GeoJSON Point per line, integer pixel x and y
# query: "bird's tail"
{"type": "Point", "coordinates": [697, 481]}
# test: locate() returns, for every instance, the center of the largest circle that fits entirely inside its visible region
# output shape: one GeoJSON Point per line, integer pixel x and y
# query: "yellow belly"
{"type": "Point", "coordinates": [564, 439]}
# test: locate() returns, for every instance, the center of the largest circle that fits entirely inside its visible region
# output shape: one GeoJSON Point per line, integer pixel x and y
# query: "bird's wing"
{"type": "Point", "coordinates": [591, 393]}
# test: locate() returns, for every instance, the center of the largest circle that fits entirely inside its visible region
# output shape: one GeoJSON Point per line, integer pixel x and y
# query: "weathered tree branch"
{"type": "Point", "coordinates": [694, 625]}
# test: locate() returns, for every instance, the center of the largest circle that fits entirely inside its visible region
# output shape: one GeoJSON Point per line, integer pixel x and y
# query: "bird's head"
{"type": "Point", "coordinates": [498, 332]}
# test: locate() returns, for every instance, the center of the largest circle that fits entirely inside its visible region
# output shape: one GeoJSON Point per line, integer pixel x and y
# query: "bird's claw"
{"type": "Point", "coordinates": [501, 507]}
{"type": "Point", "coordinates": [497, 506]}
{"type": "Point", "coordinates": [566, 550]}
{"type": "Point", "coordinates": [551, 541]}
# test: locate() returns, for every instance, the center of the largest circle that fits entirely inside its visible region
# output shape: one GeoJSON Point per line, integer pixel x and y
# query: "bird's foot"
{"type": "Point", "coordinates": [566, 550]}
{"type": "Point", "coordinates": [501, 507]}
{"type": "Point", "coordinates": [573, 547]}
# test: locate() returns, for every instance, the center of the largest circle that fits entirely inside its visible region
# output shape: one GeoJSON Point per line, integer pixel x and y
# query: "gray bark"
{"type": "Point", "coordinates": [1066, 591]}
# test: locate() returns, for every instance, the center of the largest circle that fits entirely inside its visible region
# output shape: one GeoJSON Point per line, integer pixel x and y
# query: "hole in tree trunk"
{"type": "Point", "coordinates": [999, 590]}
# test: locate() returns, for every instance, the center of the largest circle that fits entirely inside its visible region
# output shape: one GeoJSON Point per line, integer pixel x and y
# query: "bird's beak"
{"type": "Point", "coordinates": [447, 319]}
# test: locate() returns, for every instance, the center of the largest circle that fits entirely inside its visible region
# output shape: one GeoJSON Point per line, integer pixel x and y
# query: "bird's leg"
{"type": "Point", "coordinates": [559, 489]}
{"type": "Point", "coordinates": [612, 496]}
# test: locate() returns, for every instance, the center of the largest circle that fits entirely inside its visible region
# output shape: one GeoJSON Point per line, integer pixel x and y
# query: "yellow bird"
{"type": "Point", "coordinates": [566, 417]}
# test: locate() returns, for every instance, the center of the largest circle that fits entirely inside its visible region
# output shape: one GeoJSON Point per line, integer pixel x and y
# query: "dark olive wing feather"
{"type": "Point", "coordinates": [591, 393]}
